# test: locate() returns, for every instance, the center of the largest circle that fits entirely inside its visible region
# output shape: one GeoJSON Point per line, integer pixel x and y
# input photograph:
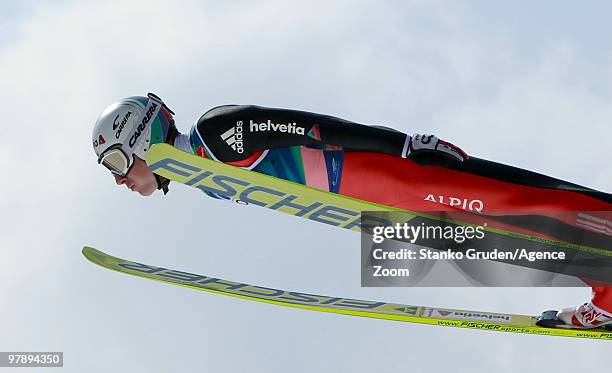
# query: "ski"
{"type": "Point", "coordinates": [277, 194]}
{"type": "Point", "coordinates": [334, 209]}
{"type": "Point", "coordinates": [258, 189]}
{"type": "Point", "coordinates": [371, 309]}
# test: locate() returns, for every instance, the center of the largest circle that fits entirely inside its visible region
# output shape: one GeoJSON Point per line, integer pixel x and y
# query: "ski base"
{"type": "Point", "coordinates": [354, 307]}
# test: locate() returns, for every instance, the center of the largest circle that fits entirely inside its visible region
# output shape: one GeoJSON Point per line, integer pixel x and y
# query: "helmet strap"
{"type": "Point", "coordinates": [152, 102]}
{"type": "Point", "coordinates": [162, 183]}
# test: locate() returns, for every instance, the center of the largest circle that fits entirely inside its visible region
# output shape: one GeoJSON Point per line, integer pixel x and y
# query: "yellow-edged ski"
{"type": "Point", "coordinates": [293, 198]}
{"type": "Point", "coordinates": [355, 307]}
{"type": "Point", "coordinates": [259, 189]}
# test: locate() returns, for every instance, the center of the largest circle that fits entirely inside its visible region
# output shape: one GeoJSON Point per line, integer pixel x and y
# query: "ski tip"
{"type": "Point", "coordinates": [93, 255]}
{"type": "Point", "coordinates": [88, 251]}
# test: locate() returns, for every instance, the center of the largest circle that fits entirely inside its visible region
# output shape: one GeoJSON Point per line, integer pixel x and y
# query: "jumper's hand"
{"type": "Point", "coordinates": [421, 143]}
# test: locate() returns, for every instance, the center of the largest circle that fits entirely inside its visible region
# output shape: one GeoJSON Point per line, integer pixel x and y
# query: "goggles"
{"type": "Point", "coordinates": [116, 161]}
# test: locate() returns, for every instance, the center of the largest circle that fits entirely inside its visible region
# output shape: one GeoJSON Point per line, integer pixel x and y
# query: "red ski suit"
{"type": "Point", "coordinates": [402, 183]}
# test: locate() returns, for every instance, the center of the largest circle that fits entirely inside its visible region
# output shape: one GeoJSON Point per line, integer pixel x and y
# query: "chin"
{"type": "Point", "coordinates": [146, 190]}
{"type": "Point", "coordinates": [146, 193]}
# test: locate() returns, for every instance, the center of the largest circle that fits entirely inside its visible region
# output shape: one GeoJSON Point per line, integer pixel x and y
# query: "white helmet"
{"type": "Point", "coordinates": [129, 127]}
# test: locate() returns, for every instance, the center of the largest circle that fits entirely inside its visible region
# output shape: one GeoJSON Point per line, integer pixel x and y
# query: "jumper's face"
{"type": "Point", "coordinates": [139, 179]}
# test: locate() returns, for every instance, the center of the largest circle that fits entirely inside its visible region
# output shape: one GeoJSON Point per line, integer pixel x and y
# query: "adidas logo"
{"type": "Point", "coordinates": [233, 138]}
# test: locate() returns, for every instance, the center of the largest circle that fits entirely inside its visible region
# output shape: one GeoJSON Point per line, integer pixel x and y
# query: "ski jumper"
{"type": "Point", "coordinates": [374, 163]}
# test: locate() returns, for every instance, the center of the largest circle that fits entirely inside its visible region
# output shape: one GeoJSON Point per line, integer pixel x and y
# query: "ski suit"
{"type": "Point", "coordinates": [371, 163]}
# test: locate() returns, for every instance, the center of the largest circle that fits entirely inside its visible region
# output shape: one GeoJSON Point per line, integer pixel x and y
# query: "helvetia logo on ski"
{"type": "Point", "coordinates": [466, 315]}
{"type": "Point", "coordinates": [291, 128]}
{"type": "Point", "coordinates": [233, 137]}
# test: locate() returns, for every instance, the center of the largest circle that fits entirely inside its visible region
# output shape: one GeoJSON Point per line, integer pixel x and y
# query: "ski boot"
{"type": "Point", "coordinates": [586, 316]}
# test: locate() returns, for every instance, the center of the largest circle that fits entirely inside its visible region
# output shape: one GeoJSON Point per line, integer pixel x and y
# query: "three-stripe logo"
{"type": "Point", "coordinates": [233, 137]}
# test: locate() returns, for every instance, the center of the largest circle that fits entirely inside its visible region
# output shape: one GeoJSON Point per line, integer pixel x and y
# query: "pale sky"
{"type": "Point", "coordinates": [520, 83]}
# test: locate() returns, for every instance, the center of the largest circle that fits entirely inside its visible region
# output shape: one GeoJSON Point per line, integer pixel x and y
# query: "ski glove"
{"type": "Point", "coordinates": [421, 143]}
